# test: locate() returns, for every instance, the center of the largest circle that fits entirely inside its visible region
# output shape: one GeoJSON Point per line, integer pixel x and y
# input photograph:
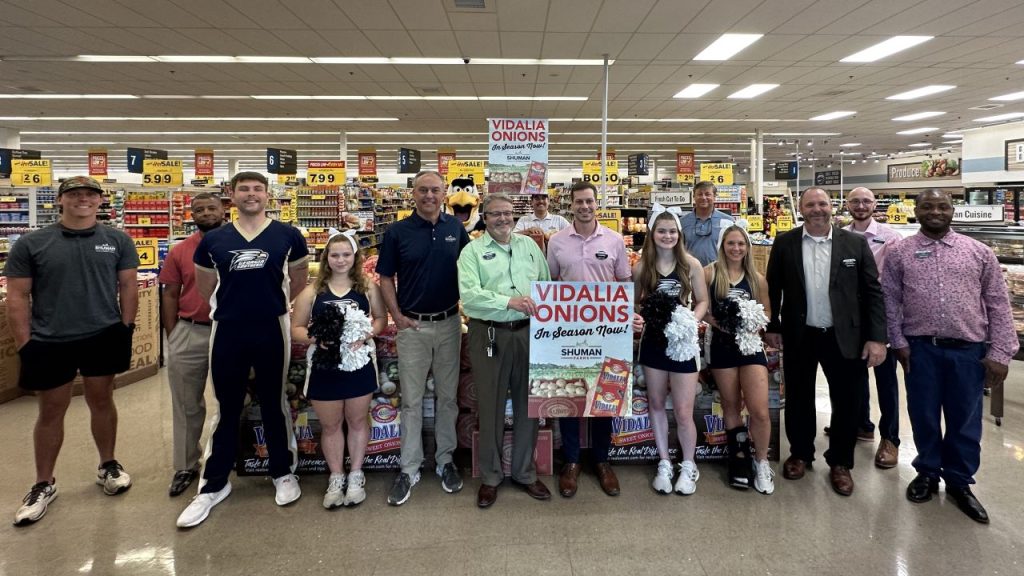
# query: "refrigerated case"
{"type": "Point", "coordinates": [1008, 196]}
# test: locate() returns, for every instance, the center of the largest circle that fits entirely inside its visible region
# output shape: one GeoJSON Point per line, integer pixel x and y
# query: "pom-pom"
{"type": "Point", "coordinates": [752, 320]}
{"type": "Point", "coordinates": [357, 326]}
{"type": "Point", "coordinates": [681, 333]}
{"type": "Point", "coordinates": [656, 310]}
{"type": "Point", "coordinates": [727, 315]}
{"type": "Point", "coordinates": [326, 328]}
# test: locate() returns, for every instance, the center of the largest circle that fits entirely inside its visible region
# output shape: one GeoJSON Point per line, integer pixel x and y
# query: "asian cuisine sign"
{"type": "Point", "coordinates": [581, 349]}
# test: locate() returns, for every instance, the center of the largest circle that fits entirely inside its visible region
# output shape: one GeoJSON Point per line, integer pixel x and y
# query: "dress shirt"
{"type": "Point", "coordinates": [950, 288]}
{"type": "Point", "coordinates": [548, 224]}
{"type": "Point", "coordinates": [817, 254]}
{"type": "Point", "coordinates": [881, 239]}
{"type": "Point", "coordinates": [601, 257]}
{"type": "Point", "coordinates": [490, 274]}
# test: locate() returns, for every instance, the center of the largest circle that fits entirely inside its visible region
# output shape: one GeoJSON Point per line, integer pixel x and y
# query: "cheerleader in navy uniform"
{"type": "Point", "coordinates": [339, 396]}
{"type": "Point", "coordinates": [666, 267]}
{"type": "Point", "coordinates": [733, 277]}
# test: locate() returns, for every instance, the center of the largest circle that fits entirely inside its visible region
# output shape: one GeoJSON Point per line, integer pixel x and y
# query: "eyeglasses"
{"type": "Point", "coordinates": [703, 227]}
{"type": "Point", "coordinates": [860, 202]}
{"type": "Point", "coordinates": [502, 214]}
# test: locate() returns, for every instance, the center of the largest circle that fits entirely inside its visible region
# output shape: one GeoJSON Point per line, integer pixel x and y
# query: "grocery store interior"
{"type": "Point", "coordinates": [340, 102]}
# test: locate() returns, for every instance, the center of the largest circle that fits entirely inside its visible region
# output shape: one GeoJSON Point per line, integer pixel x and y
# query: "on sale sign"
{"type": "Point", "coordinates": [157, 172]}
{"type": "Point", "coordinates": [592, 171]}
{"type": "Point", "coordinates": [31, 173]}
{"type": "Point", "coordinates": [325, 172]}
{"type": "Point", "coordinates": [717, 173]}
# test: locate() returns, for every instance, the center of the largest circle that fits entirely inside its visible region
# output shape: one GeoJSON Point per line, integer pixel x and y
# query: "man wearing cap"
{"type": "Point", "coordinates": [185, 315]}
{"type": "Point", "coordinates": [541, 220]}
{"type": "Point", "coordinates": [72, 296]}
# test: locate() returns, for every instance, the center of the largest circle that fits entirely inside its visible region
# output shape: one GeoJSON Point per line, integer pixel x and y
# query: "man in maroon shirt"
{"type": "Point", "coordinates": [950, 327]}
{"type": "Point", "coordinates": [186, 318]}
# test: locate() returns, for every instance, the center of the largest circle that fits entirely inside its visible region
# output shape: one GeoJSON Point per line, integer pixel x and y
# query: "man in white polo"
{"type": "Point", "coordinates": [544, 221]}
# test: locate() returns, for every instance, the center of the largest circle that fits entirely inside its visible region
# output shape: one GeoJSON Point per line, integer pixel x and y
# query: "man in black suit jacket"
{"type": "Point", "coordinates": [823, 283]}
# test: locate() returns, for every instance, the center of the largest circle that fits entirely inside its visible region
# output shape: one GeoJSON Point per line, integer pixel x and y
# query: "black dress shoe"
{"type": "Point", "coordinates": [181, 481]}
{"type": "Point", "coordinates": [968, 503]}
{"type": "Point", "coordinates": [921, 488]}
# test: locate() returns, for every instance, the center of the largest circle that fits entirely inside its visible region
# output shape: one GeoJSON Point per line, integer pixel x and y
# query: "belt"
{"type": "Point", "coordinates": [819, 329]}
{"type": "Point", "coordinates": [434, 317]}
{"type": "Point", "coordinates": [196, 322]}
{"type": "Point", "coordinates": [513, 325]}
{"type": "Point", "coordinates": [943, 342]}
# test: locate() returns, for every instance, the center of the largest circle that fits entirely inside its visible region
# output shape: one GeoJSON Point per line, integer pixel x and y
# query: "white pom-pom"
{"type": "Point", "coordinates": [752, 321]}
{"type": "Point", "coordinates": [681, 333]}
{"type": "Point", "coordinates": [357, 326]}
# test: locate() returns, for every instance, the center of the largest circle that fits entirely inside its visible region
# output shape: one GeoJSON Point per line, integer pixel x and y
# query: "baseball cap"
{"type": "Point", "coordinates": [79, 182]}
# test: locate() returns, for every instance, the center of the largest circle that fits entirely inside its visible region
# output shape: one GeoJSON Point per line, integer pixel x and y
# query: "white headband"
{"type": "Point", "coordinates": [350, 234]}
{"type": "Point", "coordinates": [674, 211]}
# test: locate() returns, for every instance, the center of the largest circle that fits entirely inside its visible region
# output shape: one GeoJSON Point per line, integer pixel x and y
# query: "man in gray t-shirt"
{"type": "Point", "coordinates": [72, 295]}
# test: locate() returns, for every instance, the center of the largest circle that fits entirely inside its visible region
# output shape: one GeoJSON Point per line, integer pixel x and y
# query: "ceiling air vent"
{"type": "Point", "coordinates": [430, 90]}
{"type": "Point", "coordinates": [471, 4]}
{"type": "Point", "coordinates": [834, 93]}
{"type": "Point", "coordinates": [986, 107]}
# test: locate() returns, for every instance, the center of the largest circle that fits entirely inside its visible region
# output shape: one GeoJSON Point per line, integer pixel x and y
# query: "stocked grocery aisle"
{"type": "Point", "coordinates": [802, 529]}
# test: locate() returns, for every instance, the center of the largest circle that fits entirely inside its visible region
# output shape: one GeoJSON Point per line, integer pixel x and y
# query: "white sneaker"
{"type": "Point", "coordinates": [199, 508]}
{"type": "Point", "coordinates": [663, 481]}
{"type": "Point", "coordinates": [335, 495]}
{"type": "Point", "coordinates": [288, 490]}
{"type": "Point", "coordinates": [34, 504]}
{"type": "Point", "coordinates": [355, 493]}
{"type": "Point", "coordinates": [113, 478]}
{"type": "Point", "coordinates": [688, 476]}
{"type": "Point", "coordinates": [764, 477]}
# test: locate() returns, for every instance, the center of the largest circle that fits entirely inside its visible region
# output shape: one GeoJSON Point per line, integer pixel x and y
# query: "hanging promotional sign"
{"type": "Point", "coordinates": [204, 162]}
{"type": "Point", "coordinates": [157, 172]}
{"type": "Point", "coordinates": [8, 154]}
{"type": "Point", "coordinates": [581, 352]}
{"type": "Point", "coordinates": [368, 163]}
{"type": "Point", "coordinates": [718, 173]}
{"type": "Point", "coordinates": [97, 163]}
{"type": "Point", "coordinates": [36, 173]}
{"type": "Point", "coordinates": [592, 172]}
{"type": "Point", "coordinates": [467, 169]}
{"type": "Point", "coordinates": [611, 154]}
{"type": "Point", "coordinates": [685, 164]}
{"type": "Point", "coordinates": [325, 172]}
{"type": "Point", "coordinates": [444, 157]}
{"type": "Point", "coordinates": [518, 155]}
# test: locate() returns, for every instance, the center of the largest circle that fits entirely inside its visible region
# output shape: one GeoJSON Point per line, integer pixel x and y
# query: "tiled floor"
{"type": "Point", "coordinates": [804, 528]}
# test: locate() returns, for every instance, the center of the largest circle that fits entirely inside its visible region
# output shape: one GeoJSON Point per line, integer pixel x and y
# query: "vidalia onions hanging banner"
{"type": "Point", "coordinates": [517, 155]}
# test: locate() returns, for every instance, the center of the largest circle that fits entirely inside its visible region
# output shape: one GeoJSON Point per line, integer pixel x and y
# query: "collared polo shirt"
{"type": "Point", "coordinates": [179, 269]}
{"type": "Point", "coordinates": [601, 257]}
{"type": "Point", "coordinates": [548, 224]}
{"type": "Point", "coordinates": [490, 274]}
{"type": "Point", "coordinates": [423, 256]}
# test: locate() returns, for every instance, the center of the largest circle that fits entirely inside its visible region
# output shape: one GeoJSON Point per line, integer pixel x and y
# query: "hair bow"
{"type": "Point", "coordinates": [657, 209]}
{"type": "Point", "coordinates": [350, 234]}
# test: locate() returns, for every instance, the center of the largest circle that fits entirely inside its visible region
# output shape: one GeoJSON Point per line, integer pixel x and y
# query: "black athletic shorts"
{"type": "Point", "coordinates": [48, 365]}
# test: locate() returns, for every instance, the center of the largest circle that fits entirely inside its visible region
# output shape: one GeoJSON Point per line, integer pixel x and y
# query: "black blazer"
{"type": "Point", "coordinates": [858, 311]}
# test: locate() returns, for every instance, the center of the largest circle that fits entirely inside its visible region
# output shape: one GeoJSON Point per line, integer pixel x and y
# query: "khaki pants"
{"type": "Point", "coordinates": [505, 373]}
{"type": "Point", "coordinates": [188, 366]}
{"type": "Point", "coordinates": [437, 345]}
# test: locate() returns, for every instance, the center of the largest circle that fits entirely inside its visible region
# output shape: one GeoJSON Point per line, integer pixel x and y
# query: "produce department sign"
{"type": "Point", "coordinates": [581, 349]}
{"type": "Point", "coordinates": [925, 170]}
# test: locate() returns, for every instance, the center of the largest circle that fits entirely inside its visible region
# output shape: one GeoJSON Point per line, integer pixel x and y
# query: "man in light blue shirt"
{"type": "Point", "coordinates": [703, 226]}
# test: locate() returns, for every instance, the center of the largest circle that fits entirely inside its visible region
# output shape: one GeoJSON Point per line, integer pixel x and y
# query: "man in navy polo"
{"type": "Point", "coordinates": [423, 251]}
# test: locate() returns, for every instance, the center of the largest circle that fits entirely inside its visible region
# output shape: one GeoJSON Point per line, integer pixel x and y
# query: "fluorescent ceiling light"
{"type": "Point", "coordinates": [199, 118]}
{"type": "Point", "coordinates": [918, 130]}
{"type": "Point", "coordinates": [303, 97]}
{"type": "Point", "coordinates": [695, 90]}
{"type": "Point", "coordinates": [727, 46]}
{"type": "Point", "coordinates": [849, 145]}
{"type": "Point", "coordinates": [917, 116]}
{"type": "Point", "coordinates": [834, 115]}
{"type": "Point", "coordinates": [273, 59]}
{"type": "Point", "coordinates": [440, 61]}
{"type": "Point", "coordinates": [1000, 117]}
{"type": "Point", "coordinates": [1009, 97]}
{"type": "Point", "coordinates": [946, 135]}
{"type": "Point", "coordinates": [886, 48]}
{"type": "Point", "coordinates": [100, 58]}
{"type": "Point", "coordinates": [351, 60]}
{"type": "Point", "coordinates": [69, 96]}
{"type": "Point", "coordinates": [168, 96]}
{"type": "Point", "coordinates": [196, 59]}
{"type": "Point", "coordinates": [541, 61]}
{"type": "Point", "coordinates": [921, 92]}
{"type": "Point", "coordinates": [919, 144]}
{"type": "Point", "coordinates": [753, 91]}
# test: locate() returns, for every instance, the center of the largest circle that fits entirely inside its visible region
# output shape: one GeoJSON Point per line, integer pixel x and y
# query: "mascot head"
{"type": "Point", "coordinates": [463, 202]}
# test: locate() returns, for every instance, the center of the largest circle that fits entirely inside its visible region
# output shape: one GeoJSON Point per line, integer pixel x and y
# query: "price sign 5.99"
{"type": "Point", "coordinates": [592, 172]}
{"type": "Point", "coordinates": [325, 173]}
{"type": "Point", "coordinates": [164, 173]}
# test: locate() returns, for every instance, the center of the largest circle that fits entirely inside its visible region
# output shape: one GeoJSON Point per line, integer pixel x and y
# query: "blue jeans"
{"type": "Point", "coordinates": [888, 390]}
{"type": "Point", "coordinates": [946, 383]}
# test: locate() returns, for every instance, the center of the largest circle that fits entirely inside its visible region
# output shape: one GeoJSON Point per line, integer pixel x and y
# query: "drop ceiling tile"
{"type": "Point", "coordinates": [523, 15]}
{"type": "Point", "coordinates": [571, 16]}
{"type": "Point", "coordinates": [321, 15]}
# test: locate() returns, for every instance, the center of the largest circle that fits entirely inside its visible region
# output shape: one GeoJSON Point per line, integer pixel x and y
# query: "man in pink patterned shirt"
{"type": "Point", "coordinates": [950, 326]}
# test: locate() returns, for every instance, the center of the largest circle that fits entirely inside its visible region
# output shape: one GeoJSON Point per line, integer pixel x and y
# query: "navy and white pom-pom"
{"type": "Point", "coordinates": [752, 321]}
{"type": "Point", "coordinates": [681, 334]}
{"type": "Point", "coordinates": [357, 326]}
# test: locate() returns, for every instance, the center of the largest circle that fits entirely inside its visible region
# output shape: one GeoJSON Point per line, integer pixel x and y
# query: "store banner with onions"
{"type": "Point", "coordinates": [517, 155]}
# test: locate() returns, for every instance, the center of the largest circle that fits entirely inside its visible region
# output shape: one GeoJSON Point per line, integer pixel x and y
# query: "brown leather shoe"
{"type": "Point", "coordinates": [794, 468]}
{"type": "Point", "coordinates": [842, 481]}
{"type": "Point", "coordinates": [486, 496]}
{"type": "Point", "coordinates": [567, 479]}
{"type": "Point", "coordinates": [888, 454]}
{"type": "Point", "coordinates": [537, 490]}
{"type": "Point", "coordinates": [609, 482]}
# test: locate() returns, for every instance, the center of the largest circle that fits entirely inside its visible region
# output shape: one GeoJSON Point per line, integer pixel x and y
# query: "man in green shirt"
{"type": "Point", "coordinates": [495, 272]}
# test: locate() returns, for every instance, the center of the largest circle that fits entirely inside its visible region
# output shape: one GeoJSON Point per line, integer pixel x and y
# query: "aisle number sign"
{"type": "Point", "coordinates": [467, 169]}
{"type": "Point", "coordinates": [147, 250]}
{"type": "Point", "coordinates": [610, 218]}
{"type": "Point", "coordinates": [717, 173]}
{"type": "Point", "coordinates": [325, 173]}
{"type": "Point", "coordinates": [592, 172]}
{"type": "Point", "coordinates": [31, 172]}
{"type": "Point", "coordinates": [157, 172]}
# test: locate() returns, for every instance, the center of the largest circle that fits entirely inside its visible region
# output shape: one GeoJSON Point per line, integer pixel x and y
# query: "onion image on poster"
{"type": "Point", "coordinates": [581, 349]}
